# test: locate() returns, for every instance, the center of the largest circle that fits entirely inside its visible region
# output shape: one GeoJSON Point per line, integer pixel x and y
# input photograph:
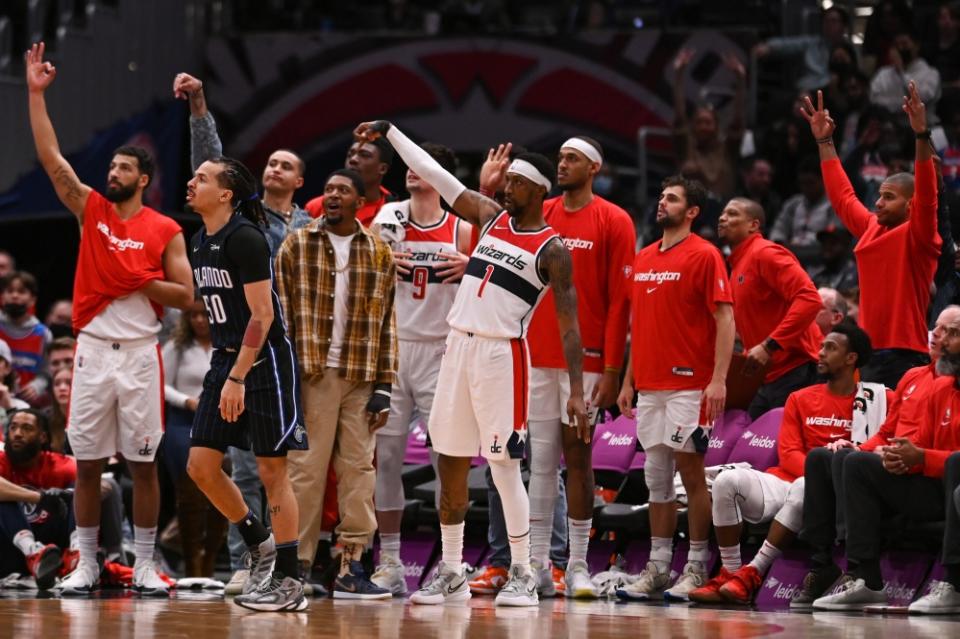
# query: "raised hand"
{"type": "Point", "coordinates": [732, 62]}
{"type": "Point", "coordinates": [821, 124]}
{"type": "Point", "coordinates": [370, 131]}
{"type": "Point", "coordinates": [185, 85]}
{"type": "Point", "coordinates": [683, 59]}
{"type": "Point", "coordinates": [40, 74]}
{"type": "Point", "coordinates": [915, 109]}
{"type": "Point", "coordinates": [493, 173]}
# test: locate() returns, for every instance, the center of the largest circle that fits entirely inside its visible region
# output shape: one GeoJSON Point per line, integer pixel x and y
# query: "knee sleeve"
{"type": "Point", "coordinates": [658, 474]}
{"type": "Point", "coordinates": [513, 497]}
{"type": "Point", "coordinates": [725, 497]}
{"type": "Point", "coordinates": [391, 450]}
{"type": "Point", "coordinates": [545, 449]}
{"type": "Point", "coordinates": [791, 514]}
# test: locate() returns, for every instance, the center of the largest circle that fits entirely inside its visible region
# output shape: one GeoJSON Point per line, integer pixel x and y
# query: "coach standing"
{"type": "Point", "coordinates": [336, 283]}
{"type": "Point", "coordinates": [897, 248]}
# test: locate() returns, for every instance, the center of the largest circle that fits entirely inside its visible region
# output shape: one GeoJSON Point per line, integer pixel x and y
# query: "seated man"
{"type": "Point", "coordinates": [813, 417]}
{"type": "Point", "coordinates": [823, 513]}
{"type": "Point", "coordinates": [905, 480]}
{"type": "Point", "coordinates": [943, 597]}
{"type": "Point", "coordinates": [35, 517]}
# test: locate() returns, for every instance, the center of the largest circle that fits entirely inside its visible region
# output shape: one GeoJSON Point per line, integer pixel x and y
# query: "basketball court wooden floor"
{"type": "Point", "coordinates": [211, 617]}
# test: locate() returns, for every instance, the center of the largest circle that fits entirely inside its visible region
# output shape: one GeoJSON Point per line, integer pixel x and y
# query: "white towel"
{"type": "Point", "coordinates": [390, 219]}
{"type": "Point", "coordinates": [869, 410]}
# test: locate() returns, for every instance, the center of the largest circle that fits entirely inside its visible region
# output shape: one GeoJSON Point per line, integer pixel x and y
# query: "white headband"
{"type": "Point", "coordinates": [584, 147]}
{"type": "Point", "coordinates": [529, 171]}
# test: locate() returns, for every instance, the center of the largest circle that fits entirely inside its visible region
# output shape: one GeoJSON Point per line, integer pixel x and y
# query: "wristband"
{"type": "Point", "coordinates": [611, 369]}
{"type": "Point", "coordinates": [924, 135]}
{"type": "Point", "coordinates": [826, 140]}
{"type": "Point", "coordinates": [235, 380]}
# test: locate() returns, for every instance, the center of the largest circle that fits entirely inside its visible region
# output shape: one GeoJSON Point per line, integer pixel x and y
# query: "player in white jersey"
{"type": "Point", "coordinates": [485, 364]}
{"type": "Point", "coordinates": [429, 245]}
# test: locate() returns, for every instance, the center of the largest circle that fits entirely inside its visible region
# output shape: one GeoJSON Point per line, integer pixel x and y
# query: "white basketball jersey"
{"type": "Point", "coordinates": [422, 300]}
{"type": "Point", "coordinates": [502, 284]}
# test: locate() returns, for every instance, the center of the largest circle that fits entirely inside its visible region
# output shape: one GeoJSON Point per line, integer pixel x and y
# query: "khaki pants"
{"type": "Point", "coordinates": [335, 413]}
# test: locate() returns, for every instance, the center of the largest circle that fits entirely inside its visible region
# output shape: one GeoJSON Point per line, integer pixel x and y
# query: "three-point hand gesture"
{"type": "Point", "coordinates": [821, 124]}
{"type": "Point", "coordinates": [683, 59]}
{"type": "Point", "coordinates": [915, 109]}
{"type": "Point", "coordinates": [185, 85]}
{"type": "Point", "coordinates": [40, 74]}
{"type": "Point", "coordinates": [493, 173]}
{"type": "Point", "coordinates": [732, 62]}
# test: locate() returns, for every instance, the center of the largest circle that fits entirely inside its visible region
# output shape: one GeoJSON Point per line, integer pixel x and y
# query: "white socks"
{"type": "Point", "coordinates": [144, 542]}
{"type": "Point", "coordinates": [699, 553]}
{"type": "Point", "coordinates": [390, 546]}
{"type": "Point", "coordinates": [730, 557]}
{"type": "Point", "coordinates": [661, 553]}
{"type": "Point", "coordinates": [451, 541]}
{"type": "Point", "coordinates": [579, 534]}
{"type": "Point", "coordinates": [27, 543]}
{"type": "Point", "coordinates": [88, 543]}
{"type": "Point", "coordinates": [767, 555]}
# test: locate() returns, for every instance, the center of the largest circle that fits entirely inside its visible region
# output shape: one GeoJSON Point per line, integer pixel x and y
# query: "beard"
{"type": "Point", "coordinates": [570, 186]}
{"type": "Point", "coordinates": [23, 455]}
{"type": "Point", "coordinates": [668, 223]}
{"type": "Point", "coordinates": [118, 193]}
{"type": "Point", "coordinates": [948, 364]}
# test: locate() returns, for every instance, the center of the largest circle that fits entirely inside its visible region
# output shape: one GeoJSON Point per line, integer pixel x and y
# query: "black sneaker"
{"type": "Point", "coordinates": [354, 584]}
{"type": "Point", "coordinates": [815, 585]}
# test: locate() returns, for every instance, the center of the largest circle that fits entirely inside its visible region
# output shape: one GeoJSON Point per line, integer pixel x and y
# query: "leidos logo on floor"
{"type": "Point", "coordinates": [781, 590]}
{"type": "Point", "coordinates": [412, 569]}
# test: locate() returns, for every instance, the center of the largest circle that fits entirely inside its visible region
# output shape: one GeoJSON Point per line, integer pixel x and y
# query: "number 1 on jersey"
{"type": "Point", "coordinates": [486, 278]}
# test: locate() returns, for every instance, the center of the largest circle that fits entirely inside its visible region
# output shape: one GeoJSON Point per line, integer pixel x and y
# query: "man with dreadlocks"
{"type": "Point", "coordinates": [251, 395]}
{"type": "Point", "coordinates": [132, 262]}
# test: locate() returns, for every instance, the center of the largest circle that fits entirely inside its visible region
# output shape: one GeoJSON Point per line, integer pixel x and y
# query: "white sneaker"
{"type": "Point", "coordinates": [578, 582]}
{"type": "Point", "coordinates": [544, 577]}
{"type": "Point", "coordinates": [942, 598]}
{"type": "Point", "coordinates": [520, 589]}
{"type": "Point", "coordinates": [235, 585]}
{"type": "Point", "coordinates": [389, 575]}
{"type": "Point", "coordinates": [852, 594]}
{"type": "Point", "coordinates": [147, 582]}
{"type": "Point", "coordinates": [445, 585]}
{"type": "Point", "coordinates": [650, 584]}
{"type": "Point", "coordinates": [694, 576]}
{"type": "Point", "coordinates": [82, 581]}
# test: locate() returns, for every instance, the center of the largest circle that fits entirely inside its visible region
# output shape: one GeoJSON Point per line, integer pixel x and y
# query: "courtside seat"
{"type": "Point", "coordinates": [757, 444]}
{"type": "Point", "coordinates": [726, 432]}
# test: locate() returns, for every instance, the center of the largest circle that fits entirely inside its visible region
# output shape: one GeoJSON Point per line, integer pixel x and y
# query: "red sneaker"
{"type": "Point", "coordinates": [490, 582]}
{"type": "Point", "coordinates": [559, 580]}
{"type": "Point", "coordinates": [709, 593]}
{"type": "Point", "coordinates": [44, 565]}
{"type": "Point", "coordinates": [71, 557]}
{"type": "Point", "coordinates": [743, 586]}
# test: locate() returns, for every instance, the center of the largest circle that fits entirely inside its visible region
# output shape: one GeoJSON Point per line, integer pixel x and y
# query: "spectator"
{"type": "Point", "coordinates": [7, 264]}
{"type": "Point", "coordinates": [823, 503]}
{"type": "Point", "coordinates": [62, 381]}
{"type": "Point", "coordinates": [833, 312]}
{"type": "Point", "coordinates": [787, 143]}
{"type": "Point", "coordinates": [950, 156]}
{"type": "Point", "coordinates": [23, 332]}
{"type": "Point", "coordinates": [889, 18]}
{"type": "Point", "coordinates": [698, 140]}
{"type": "Point", "coordinates": [897, 249]}
{"type": "Point", "coordinates": [814, 417]}
{"type": "Point", "coordinates": [35, 515]}
{"type": "Point", "coordinates": [864, 163]}
{"type": "Point", "coordinates": [186, 360]}
{"type": "Point", "coordinates": [60, 354]}
{"type": "Point", "coordinates": [804, 214]}
{"type": "Point", "coordinates": [8, 383]}
{"type": "Point", "coordinates": [906, 479]}
{"type": "Point", "coordinates": [906, 66]}
{"type": "Point", "coordinates": [815, 50]}
{"type": "Point", "coordinates": [774, 305]}
{"type": "Point", "coordinates": [336, 283]}
{"type": "Point", "coordinates": [756, 177]}
{"type": "Point", "coordinates": [855, 100]}
{"type": "Point", "coordinates": [942, 51]}
{"type": "Point", "coordinates": [60, 319]}
{"type": "Point", "coordinates": [837, 268]}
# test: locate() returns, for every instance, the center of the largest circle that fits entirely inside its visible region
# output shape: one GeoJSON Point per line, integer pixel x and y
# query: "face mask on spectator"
{"type": "Point", "coordinates": [15, 311]}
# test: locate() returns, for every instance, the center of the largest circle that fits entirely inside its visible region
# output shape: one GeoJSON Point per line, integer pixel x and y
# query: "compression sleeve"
{"type": "Point", "coordinates": [425, 166]}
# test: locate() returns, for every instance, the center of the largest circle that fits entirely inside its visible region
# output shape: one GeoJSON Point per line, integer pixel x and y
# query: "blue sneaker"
{"type": "Point", "coordinates": [355, 585]}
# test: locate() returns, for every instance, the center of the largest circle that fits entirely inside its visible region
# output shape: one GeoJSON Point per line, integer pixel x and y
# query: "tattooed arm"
{"type": "Point", "coordinates": [557, 268]}
{"type": "Point", "coordinates": [70, 190]}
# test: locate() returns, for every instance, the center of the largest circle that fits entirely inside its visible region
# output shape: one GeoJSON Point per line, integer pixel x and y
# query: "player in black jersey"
{"type": "Point", "coordinates": [251, 395]}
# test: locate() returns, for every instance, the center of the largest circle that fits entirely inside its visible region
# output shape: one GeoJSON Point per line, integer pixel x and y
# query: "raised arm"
{"type": "Point", "coordinates": [739, 121]}
{"type": "Point", "coordinates": [204, 140]}
{"type": "Point", "coordinates": [470, 205]}
{"type": "Point", "coordinates": [71, 191]}
{"type": "Point", "coordinates": [854, 215]}
{"type": "Point", "coordinates": [923, 209]}
{"type": "Point", "coordinates": [176, 289]}
{"type": "Point", "coordinates": [557, 265]}
{"type": "Point", "coordinates": [680, 64]}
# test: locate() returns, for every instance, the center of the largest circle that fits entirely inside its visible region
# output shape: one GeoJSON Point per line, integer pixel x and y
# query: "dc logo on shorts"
{"type": "Point", "coordinates": [146, 450]}
{"type": "Point", "coordinates": [676, 438]}
{"type": "Point", "coordinates": [299, 433]}
{"type": "Point", "coordinates": [496, 448]}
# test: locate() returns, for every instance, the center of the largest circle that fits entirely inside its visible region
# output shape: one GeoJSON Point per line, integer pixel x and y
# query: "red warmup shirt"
{"type": "Point", "coordinates": [117, 257]}
{"type": "Point", "coordinates": [896, 266]}
{"type": "Point", "coordinates": [675, 293]}
{"type": "Point", "coordinates": [774, 297]}
{"type": "Point", "coordinates": [909, 405]}
{"type": "Point", "coordinates": [365, 213]}
{"type": "Point", "coordinates": [813, 417]}
{"type": "Point", "coordinates": [600, 238]}
{"type": "Point", "coordinates": [53, 471]}
{"type": "Point", "coordinates": [939, 432]}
